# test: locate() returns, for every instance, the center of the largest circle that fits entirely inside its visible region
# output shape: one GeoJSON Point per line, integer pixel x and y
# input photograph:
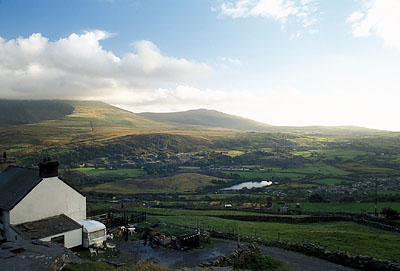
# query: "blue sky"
{"type": "Point", "coordinates": [282, 62]}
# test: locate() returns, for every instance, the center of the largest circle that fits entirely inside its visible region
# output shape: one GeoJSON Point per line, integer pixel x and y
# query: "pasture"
{"type": "Point", "coordinates": [181, 183]}
{"type": "Point", "coordinates": [329, 181]}
{"type": "Point", "coordinates": [112, 173]}
{"type": "Point", "coordinates": [335, 236]}
{"type": "Point", "coordinates": [353, 207]}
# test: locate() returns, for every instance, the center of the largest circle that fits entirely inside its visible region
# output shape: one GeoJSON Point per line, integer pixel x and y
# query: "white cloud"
{"type": "Point", "coordinates": [295, 35]}
{"type": "Point", "coordinates": [302, 11]}
{"type": "Point", "coordinates": [379, 17]}
{"type": "Point", "coordinates": [79, 67]}
{"type": "Point", "coordinates": [355, 16]}
{"type": "Point", "coordinates": [230, 60]}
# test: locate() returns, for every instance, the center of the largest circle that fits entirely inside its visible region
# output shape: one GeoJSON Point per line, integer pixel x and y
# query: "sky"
{"type": "Point", "coordinates": [281, 62]}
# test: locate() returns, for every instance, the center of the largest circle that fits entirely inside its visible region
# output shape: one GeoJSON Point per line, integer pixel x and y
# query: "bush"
{"type": "Point", "coordinates": [390, 213]}
{"type": "Point", "coordinates": [317, 198]}
{"type": "Point", "coordinates": [258, 262]}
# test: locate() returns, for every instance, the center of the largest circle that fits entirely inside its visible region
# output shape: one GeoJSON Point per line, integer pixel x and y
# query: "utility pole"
{"type": "Point", "coordinates": [376, 196]}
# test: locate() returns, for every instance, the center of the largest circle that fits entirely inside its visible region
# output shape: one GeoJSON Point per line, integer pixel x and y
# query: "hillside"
{"type": "Point", "coordinates": [185, 182]}
{"type": "Point", "coordinates": [14, 112]}
{"type": "Point", "coordinates": [209, 118]}
{"type": "Point", "coordinates": [30, 126]}
{"type": "Point", "coordinates": [77, 131]}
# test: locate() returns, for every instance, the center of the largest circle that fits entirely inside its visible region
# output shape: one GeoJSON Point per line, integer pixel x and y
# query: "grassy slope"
{"type": "Point", "coordinates": [117, 173]}
{"type": "Point", "coordinates": [329, 181]}
{"type": "Point", "coordinates": [177, 183]}
{"type": "Point", "coordinates": [14, 112]}
{"type": "Point", "coordinates": [347, 236]}
{"type": "Point", "coordinates": [90, 123]}
{"type": "Point", "coordinates": [205, 117]}
{"type": "Point", "coordinates": [354, 207]}
{"type": "Point", "coordinates": [212, 118]}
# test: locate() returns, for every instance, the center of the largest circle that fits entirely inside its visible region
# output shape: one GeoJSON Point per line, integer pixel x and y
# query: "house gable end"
{"type": "Point", "coordinates": [51, 197]}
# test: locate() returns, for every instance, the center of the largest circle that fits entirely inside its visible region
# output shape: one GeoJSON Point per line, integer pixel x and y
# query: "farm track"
{"type": "Point", "coordinates": [294, 261]}
{"type": "Point", "coordinates": [300, 262]}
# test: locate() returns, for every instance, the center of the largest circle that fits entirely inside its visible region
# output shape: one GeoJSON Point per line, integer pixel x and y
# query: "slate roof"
{"type": "Point", "coordinates": [46, 227]}
{"type": "Point", "coordinates": [15, 183]}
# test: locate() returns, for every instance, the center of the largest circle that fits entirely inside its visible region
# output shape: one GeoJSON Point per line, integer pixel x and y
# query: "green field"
{"type": "Point", "coordinates": [329, 181]}
{"type": "Point", "coordinates": [187, 167]}
{"type": "Point", "coordinates": [182, 183]}
{"type": "Point", "coordinates": [264, 175]}
{"type": "Point", "coordinates": [112, 173]}
{"type": "Point", "coordinates": [342, 154]}
{"type": "Point", "coordinates": [294, 174]}
{"type": "Point", "coordinates": [368, 169]}
{"type": "Point", "coordinates": [318, 168]}
{"type": "Point", "coordinates": [347, 236]}
{"type": "Point", "coordinates": [335, 236]}
{"type": "Point", "coordinates": [355, 207]}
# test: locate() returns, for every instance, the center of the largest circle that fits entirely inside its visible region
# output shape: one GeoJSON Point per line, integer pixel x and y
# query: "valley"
{"type": "Point", "coordinates": [176, 168]}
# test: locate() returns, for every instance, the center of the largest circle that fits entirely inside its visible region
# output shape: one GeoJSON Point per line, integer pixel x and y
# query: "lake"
{"type": "Point", "coordinates": [248, 185]}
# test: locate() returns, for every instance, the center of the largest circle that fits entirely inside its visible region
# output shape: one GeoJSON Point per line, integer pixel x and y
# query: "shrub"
{"type": "Point", "coordinates": [390, 213]}
{"type": "Point", "coordinates": [257, 262]}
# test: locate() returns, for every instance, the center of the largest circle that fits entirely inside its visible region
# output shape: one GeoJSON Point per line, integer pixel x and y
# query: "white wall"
{"type": "Point", "coordinates": [50, 197]}
{"type": "Point", "coordinates": [71, 238]}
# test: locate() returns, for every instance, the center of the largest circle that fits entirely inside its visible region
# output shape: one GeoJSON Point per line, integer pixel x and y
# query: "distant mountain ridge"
{"type": "Point", "coordinates": [209, 118]}
{"type": "Point", "coordinates": [213, 118]}
{"type": "Point", "coordinates": [93, 115]}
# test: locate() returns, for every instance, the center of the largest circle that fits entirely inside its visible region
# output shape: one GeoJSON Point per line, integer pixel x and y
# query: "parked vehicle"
{"type": "Point", "coordinates": [94, 233]}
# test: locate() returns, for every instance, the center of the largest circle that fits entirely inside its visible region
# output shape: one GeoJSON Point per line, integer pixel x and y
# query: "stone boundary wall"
{"type": "Point", "coordinates": [284, 219]}
{"type": "Point", "coordinates": [340, 257]}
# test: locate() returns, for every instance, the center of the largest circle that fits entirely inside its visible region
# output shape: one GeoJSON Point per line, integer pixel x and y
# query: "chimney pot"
{"type": "Point", "coordinates": [4, 154]}
{"type": "Point", "coordinates": [48, 168]}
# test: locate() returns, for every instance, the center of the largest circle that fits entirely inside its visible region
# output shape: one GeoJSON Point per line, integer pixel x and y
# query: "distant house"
{"type": "Point", "coordinates": [37, 204]}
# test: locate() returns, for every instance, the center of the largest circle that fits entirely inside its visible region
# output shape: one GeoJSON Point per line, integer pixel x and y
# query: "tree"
{"type": "Point", "coordinates": [390, 213]}
{"type": "Point", "coordinates": [316, 198]}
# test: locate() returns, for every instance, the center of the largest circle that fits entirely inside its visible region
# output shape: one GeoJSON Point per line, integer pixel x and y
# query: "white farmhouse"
{"type": "Point", "coordinates": [37, 204]}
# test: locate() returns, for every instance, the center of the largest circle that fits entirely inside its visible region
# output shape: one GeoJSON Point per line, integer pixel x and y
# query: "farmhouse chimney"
{"type": "Point", "coordinates": [5, 162]}
{"type": "Point", "coordinates": [48, 168]}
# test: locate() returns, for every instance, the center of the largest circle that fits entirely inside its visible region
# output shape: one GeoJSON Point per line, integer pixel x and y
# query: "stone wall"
{"type": "Point", "coordinates": [285, 219]}
{"type": "Point", "coordinates": [238, 257]}
{"type": "Point", "coordinates": [340, 257]}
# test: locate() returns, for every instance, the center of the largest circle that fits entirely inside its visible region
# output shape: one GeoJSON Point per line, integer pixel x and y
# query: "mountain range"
{"type": "Point", "coordinates": [94, 115]}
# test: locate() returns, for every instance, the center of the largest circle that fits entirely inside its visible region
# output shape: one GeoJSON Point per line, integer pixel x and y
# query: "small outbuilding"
{"type": "Point", "coordinates": [38, 204]}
